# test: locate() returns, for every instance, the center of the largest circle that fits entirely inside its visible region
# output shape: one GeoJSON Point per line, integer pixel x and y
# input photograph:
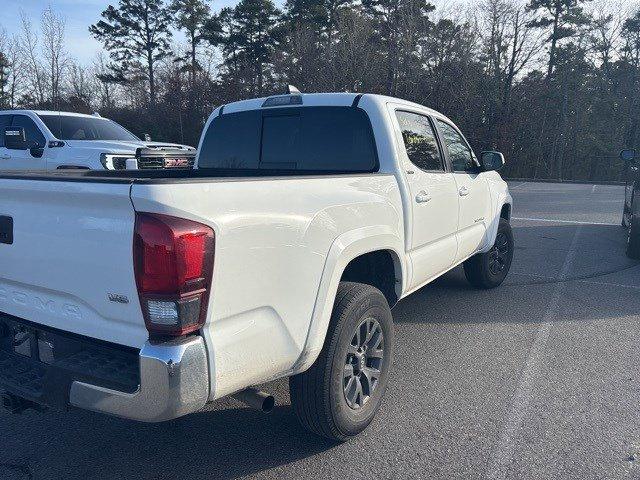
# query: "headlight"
{"type": "Point", "coordinates": [115, 162]}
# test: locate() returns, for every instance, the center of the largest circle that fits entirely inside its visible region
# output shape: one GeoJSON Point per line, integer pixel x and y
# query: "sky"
{"type": "Point", "coordinates": [79, 14]}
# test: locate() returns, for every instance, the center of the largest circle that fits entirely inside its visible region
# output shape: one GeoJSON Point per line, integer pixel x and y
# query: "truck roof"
{"type": "Point", "coordinates": [325, 99]}
{"type": "Point", "coordinates": [50, 112]}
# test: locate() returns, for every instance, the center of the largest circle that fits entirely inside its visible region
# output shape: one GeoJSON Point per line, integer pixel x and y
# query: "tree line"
{"type": "Point", "coordinates": [553, 84]}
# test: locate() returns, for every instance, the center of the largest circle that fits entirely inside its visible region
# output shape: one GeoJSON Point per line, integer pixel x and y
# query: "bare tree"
{"type": "Point", "coordinates": [53, 27]}
{"type": "Point", "coordinates": [107, 88]}
{"type": "Point", "coordinates": [510, 45]}
{"type": "Point", "coordinates": [34, 73]}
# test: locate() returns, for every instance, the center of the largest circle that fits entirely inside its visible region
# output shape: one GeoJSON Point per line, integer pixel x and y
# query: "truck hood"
{"type": "Point", "coordinates": [113, 146]}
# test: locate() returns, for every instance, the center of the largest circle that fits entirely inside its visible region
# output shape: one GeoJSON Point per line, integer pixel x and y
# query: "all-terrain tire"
{"type": "Point", "coordinates": [488, 270]}
{"type": "Point", "coordinates": [320, 396]}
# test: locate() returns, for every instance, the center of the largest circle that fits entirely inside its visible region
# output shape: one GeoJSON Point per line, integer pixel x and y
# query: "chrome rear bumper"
{"type": "Point", "coordinates": [174, 381]}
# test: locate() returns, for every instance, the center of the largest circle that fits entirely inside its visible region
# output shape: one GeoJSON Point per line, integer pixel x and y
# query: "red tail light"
{"type": "Point", "coordinates": [173, 262]}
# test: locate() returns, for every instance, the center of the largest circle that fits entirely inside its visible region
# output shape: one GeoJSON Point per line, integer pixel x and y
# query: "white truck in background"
{"type": "Point", "coordinates": [307, 218]}
{"type": "Point", "coordinates": [48, 140]}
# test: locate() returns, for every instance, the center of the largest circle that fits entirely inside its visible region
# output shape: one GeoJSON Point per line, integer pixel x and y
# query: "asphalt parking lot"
{"type": "Point", "coordinates": [536, 379]}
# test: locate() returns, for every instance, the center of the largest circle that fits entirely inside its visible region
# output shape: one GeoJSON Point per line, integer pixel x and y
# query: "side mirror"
{"type": "Point", "coordinates": [14, 138]}
{"type": "Point", "coordinates": [147, 137]}
{"type": "Point", "coordinates": [491, 161]}
{"type": "Point", "coordinates": [628, 156]}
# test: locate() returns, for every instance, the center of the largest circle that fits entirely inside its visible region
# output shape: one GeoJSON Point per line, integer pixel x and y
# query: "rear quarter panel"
{"type": "Point", "coordinates": [273, 237]}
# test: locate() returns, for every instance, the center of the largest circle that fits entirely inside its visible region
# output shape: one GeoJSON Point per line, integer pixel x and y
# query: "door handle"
{"type": "Point", "coordinates": [5, 157]}
{"type": "Point", "coordinates": [422, 197]}
{"type": "Point", "coordinates": [464, 191]}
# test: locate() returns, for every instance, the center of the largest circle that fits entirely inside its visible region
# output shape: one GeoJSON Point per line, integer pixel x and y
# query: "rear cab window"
{"type": "Point", "coordinates": [301, 139]}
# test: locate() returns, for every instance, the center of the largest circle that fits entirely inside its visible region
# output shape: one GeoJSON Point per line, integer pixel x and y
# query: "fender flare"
{"type": "Point", "coordinates": [343, 250]}
{"type": "Point", "coordinates": [492, 230]}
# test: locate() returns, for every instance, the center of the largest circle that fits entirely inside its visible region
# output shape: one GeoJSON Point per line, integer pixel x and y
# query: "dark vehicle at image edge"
{"type": "Point", "coordinates": [631, 211]}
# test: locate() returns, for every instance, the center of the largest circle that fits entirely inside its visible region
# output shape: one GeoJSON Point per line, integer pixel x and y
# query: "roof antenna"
{"type": "Point", "coordinates": [291, 90]}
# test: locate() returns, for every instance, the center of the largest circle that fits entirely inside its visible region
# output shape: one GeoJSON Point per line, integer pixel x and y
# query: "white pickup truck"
{"type": "Point", "coordinates": [46, 140]}
{"type": "Point", "coordinates": [147, 295]}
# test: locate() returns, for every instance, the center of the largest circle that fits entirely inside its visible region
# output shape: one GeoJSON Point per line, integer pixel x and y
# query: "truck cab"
{"type": "Point", "coordinates": [47, 140]}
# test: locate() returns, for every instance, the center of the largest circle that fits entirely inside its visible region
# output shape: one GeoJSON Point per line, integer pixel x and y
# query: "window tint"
{"type": "Point", "coordinates": [280, 137]}
{"type": "Point", "coordinates": [459, 151]}
{"type": "Point", "coordinates": [303, 138]}
{"type": "Point", "coordinates": [32, 133]}
{"type": "Point", "coordinates": [5, 121]}
{"type": "Point", "coordinates": [420, 141]}
{"type": "Point", "coordinates": [232, 141]}
{"type": "Point", "coordinates": [71, 127]}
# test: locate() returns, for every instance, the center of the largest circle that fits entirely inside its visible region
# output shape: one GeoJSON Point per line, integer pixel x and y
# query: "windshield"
{"type": "Point", "coordinates": [67, 127]}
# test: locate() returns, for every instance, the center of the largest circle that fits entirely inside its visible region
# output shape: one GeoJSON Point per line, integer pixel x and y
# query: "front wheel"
{"type": "Point", "coordinates": [339, 395]}
{"type": "Point", "coordinates": [488, 270]}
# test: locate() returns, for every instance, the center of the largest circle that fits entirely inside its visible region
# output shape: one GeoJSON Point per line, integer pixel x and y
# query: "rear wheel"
{"type": "Point", "coordinates": [342, 391]}
{"type": "Point", "coordinates": [488, 270]}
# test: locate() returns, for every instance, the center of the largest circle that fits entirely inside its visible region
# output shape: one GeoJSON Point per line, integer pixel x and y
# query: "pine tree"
{"type": "Point", "coordinates": [563, 17]}
{"type": "Point", "coordinates": [136, 34]}
{"type": "Point", "coordinates": [248, 35]}
{"type": "Point", "coordinates": [192, 17]}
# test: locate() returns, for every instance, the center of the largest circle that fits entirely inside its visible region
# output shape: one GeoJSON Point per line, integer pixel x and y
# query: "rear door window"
{"type": "Point", "coordinates": [312, 139]}
{"type": "Point", "coordinates": [420, 141]}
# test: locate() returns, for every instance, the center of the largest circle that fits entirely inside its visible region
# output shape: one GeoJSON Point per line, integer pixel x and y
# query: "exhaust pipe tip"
{"type": "Point", "coordinates": [268, 403]}
{"type": "Point", "coordinates": [257, 399]}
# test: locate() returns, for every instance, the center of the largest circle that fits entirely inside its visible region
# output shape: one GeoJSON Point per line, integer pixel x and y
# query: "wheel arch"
{"type": "Point", "coordinates": [354, 256]}
{"type": "Point", "coordinates": [505, 212]}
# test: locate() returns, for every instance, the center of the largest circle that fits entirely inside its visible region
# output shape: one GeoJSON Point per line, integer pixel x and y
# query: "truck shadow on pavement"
{"type": "Point", "coordinates": [216, 444]}
{"type": "Point", "coordinates": [589, 259]}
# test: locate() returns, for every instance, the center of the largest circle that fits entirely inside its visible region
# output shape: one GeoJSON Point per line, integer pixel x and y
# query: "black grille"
{"type": "Point", "coordinates": [159, 158]}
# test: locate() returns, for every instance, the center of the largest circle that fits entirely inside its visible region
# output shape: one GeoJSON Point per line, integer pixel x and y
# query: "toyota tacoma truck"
{"type": "Point", "coordinates": [46, 140]}
{"type": "Point", "coordinates": [147, 295]}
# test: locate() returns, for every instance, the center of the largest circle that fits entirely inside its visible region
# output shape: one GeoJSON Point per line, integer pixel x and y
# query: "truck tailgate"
{"type": "Point", "coordinates": [70, 264]}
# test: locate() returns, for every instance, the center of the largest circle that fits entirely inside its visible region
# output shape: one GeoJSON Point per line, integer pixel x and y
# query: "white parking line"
{"type": "Point", "coordinates": [503, 454]}
{"type": "Point", "coordinates": [573, 222]}
{"type": "Point", "coordinates": [591, 282]}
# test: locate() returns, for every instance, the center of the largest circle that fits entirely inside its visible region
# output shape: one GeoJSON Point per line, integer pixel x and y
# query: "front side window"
{"type": "Point", "coordinates": [312, 139]}
{"type": "Point", "coordinates": [420, 141]}
{"type": "Point", "coordinates": [459, 151]}
{"type": "Point", "coordinates": [71, 127]}
{"type": "Point", "coordinates": [32, 134]}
